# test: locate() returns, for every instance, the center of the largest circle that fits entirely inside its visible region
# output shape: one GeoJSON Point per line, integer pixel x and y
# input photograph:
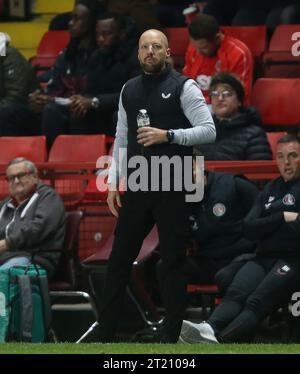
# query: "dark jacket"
{"type": "Point", "coordinates": [218, 227]}
{"type": "Point", "coordinates": [109, 72]}
{"type": "Point", "coordinates": [265, 221]}
{"type": "Point", "coordinates": [105, 79]}
{"type": "Point", "coordinates": [17, 77]}
{"type": "Point", "coordinates": [37, 225]}
{"type": "Point", "coordinates": [241, 138]}
{"type": "Point", "coordinates": [68, 76]}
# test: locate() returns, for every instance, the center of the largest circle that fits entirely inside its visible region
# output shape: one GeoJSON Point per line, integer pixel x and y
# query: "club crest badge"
{"type": "Point", "coordinates": [288, 199]}
{"type": "Point", "coordinates": [219, 209]}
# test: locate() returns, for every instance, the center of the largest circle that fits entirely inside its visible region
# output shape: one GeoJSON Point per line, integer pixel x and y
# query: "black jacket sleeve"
{"type": "Point", "coordinates": [55, 85]}
{"type": "Point", "coordinates": [247, 192]}
{"type": "Point", "coordinates": [257, 227]}
{"type": "Point", "coordinates": [258, 146]}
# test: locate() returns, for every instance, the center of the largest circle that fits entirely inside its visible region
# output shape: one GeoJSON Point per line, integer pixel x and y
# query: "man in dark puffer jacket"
{"type": "Point", "coordinates": [239, 132]}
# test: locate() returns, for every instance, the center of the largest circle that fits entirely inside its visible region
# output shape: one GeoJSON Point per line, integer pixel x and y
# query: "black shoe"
{"type": "Point", "coordinates": [148, 335]}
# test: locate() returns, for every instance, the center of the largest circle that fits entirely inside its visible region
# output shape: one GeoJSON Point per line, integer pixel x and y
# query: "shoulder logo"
{"type": "Point", "coordinates": [283, 270]}
{"type": "Point", "coordinates": [165, 96]}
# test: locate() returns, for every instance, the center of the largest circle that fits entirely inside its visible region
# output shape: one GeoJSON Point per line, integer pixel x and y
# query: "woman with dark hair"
{"type": "Point", "coordinates": [240, 135]}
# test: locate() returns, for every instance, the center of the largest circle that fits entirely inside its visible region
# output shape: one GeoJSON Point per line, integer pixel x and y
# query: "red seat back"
{"type": "Point", "coordinates": [178, 39]}
{"type": "Point", "coordinates": [52, 43]}
{"type": "Point", "coordinates": [255, 37]}
{"type": "Point", "coordinates": [282, 57]}
{"type": "Point", "coordinates": [178, 42]}
{"type": "Point", "coordinates": [31, 147]}
{"type": "Point", "coordinates": [281, 39]}
{"type": "Point", "coordinates": [277, 100]}
{"type": "Point", "coordinates": [49, 47]}
{"type": "Point", "coordinates": [77, 148]}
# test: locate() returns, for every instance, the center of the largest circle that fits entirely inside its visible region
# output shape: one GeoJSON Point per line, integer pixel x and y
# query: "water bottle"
{"type": "Point", "coordinates": [142, 118]}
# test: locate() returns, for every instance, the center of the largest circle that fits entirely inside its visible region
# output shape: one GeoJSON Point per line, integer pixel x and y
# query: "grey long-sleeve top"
{"type": "Point", "coordinates": [194, 108]}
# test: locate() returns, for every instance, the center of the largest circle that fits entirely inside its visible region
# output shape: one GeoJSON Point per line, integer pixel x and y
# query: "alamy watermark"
{"type": "Point", "coordinates": [296, 46]}
{"type": "Point", "coordinates": [157, 173]}
{"type": "Point", "coordinates": [295, 310]}
{"type": "Point", "coordinates": [3, 40]}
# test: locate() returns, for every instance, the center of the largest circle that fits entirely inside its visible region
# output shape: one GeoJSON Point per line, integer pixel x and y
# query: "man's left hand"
{"type": "Point", "coordinates": [150, 135]}
{"type": "Point", "coordinates": [80, 105]}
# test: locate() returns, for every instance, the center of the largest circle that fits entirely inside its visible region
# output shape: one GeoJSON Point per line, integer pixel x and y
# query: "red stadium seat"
{"type": "Point", "coordinates": [75, 148]}
{"type": "Point", "coordinates": [178, 42]}
{"type": "Point", "coordinates": [49, 47]}
{"type": "Point", "coordinates": [280, 60]}
{"type": "Point", "coordinates": [30, 147]}
{"type": "Point", "coordinates": [277, 101]}
{"type": "Point", "coordinates": [96, 224]}
{"type": "Point", "coordinates": [255, 37]}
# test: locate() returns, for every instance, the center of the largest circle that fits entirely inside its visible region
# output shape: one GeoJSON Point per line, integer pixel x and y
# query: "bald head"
{"type": "Point", "coordinates": [156, 34]}
{"type": "Point", "coordinates": [153, 51]}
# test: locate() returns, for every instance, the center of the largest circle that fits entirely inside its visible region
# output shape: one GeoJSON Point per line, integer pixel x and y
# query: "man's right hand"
{"type": "Point", "coordinates": [290, 216]}
{"type": "Point", "coordinates": [37, 101]}
{"type": "Point", "coordinates": [114, 200]}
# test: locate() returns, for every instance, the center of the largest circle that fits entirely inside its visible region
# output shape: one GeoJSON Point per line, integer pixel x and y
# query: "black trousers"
{"type": "Point", "coordinates": [18, 120]}
{"type": "Point", "coordinates": [57, 120]}
{"type": "Point", "coordinates": [200, 269]}
{"type": "Point", "coordinates": [258, 287]}
{"type": "Point", "coordinates": [139, 212]}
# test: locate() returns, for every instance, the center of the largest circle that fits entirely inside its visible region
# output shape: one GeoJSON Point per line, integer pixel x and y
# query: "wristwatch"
{"type": "Point", "coordinates": [170, 136]}
{"type": "Point", "coordinates": [95, 102]}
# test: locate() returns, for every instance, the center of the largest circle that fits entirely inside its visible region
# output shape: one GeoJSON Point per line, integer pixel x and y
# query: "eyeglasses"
{"type": "Point", "coordinates": [223, 94]}
{"type": "Point", "coordinates": [11, 178]}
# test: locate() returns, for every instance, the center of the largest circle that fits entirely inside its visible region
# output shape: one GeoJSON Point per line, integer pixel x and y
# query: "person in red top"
{"type": "Point", "coordinates": [210, 51]}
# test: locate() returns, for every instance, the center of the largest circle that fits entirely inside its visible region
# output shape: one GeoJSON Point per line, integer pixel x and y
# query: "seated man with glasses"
{"type": "Point", "coordinates": [32, 220]}
{"type": "Point", "coordinates": [240, 135]}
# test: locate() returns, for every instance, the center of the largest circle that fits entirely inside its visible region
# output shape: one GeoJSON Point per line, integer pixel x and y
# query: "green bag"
{"type": "Point", "coordinates": [27, 315]}
{"type": "Point", "coordinates": [4, 310]}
